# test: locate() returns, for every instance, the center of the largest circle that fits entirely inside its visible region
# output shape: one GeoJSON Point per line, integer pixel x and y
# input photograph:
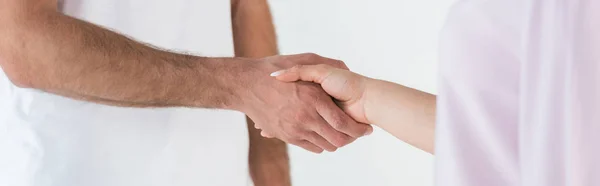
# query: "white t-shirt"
{"type": "Point", "coordinates": [48, 140]}
{"type": "Point", "coordinates": [519, 100]}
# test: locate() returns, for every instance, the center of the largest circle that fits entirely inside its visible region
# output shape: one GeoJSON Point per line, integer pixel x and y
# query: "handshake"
{"type": "Point", "coordinates": [309, 101]}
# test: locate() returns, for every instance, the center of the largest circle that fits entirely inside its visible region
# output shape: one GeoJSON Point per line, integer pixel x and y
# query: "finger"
{"type": "Point", "coordinates": [316, 139]}
{"type": "Point", "coordinates": [336, 64]}
{"type": "Point", "coordinates": [265, 134]}
{"type": "Point", "coordinates": [311, 73]}
{"type": "Point", "coordinates": [308, 146]}
{"type": "Point", "coordinates": [332, 135]}
{"type": "Point", "coordinates": [369, 130]}
{"type": "Point", "coordinates": [314, 59]}
{"type": "Point", "coordinates": [341, 65]}
{"type": "Point", "coordinates": [341, 121]}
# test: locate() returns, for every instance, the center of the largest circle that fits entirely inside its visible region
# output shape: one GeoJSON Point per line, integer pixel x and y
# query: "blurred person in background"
{"type": "Point", "coordinates": [518, 102]}
{"type": "Point", "coordinates": [82, 105]}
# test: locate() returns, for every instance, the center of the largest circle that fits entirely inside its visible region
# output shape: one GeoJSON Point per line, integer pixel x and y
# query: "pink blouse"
{"type": "Point", "coordinates": [519, 100]}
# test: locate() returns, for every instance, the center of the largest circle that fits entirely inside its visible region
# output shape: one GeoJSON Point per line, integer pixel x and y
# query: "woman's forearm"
{"type": "Point", "coordinates": [406, 113]}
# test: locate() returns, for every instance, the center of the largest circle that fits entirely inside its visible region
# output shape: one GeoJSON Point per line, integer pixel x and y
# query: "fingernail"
{"type": "Point", "coordinates": [275, 74]}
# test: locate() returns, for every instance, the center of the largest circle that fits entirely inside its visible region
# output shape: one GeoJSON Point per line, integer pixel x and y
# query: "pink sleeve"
{"type": "Point", "coordinates": [559, 127]}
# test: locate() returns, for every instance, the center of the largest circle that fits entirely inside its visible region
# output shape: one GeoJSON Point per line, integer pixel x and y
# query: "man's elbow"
{"type": "Point", "coordinates": [12, 25]}
{"type": "Point", "coordinates": [17, 75]}
{"type": "Point", "coordinates": [13, 66]}
{"type": "Point", "coordinates": [21, 81]}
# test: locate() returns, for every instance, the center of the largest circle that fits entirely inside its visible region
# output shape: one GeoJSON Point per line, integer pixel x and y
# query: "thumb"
{"type": "Point", "coordinates": [311, 73]}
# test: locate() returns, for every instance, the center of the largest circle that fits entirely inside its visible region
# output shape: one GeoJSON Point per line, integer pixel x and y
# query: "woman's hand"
{"type": "Point", "coordinates": [406, 113]}
{"type": "Point", "coordinates": [346, 87]}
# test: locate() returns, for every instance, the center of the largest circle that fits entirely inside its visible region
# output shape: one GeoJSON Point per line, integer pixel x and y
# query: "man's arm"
{"type": "Point", "coordinates": [254, 37]}
{"type": "Point", "coordinates": [43, 49]}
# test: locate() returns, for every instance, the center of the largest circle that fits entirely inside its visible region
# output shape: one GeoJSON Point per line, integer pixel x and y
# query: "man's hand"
{"type": "Point", "coordinates": [346, 87]}
{"type": "Point", "coordinates": [297, 113]}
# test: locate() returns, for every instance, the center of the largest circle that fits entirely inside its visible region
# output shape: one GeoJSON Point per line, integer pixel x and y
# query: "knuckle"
{"type": "Point", "coordinates": [314, 93]}
{"type": "Point", "coordinates": [296, 67]}
{"type": "Point", "coordinates": [334, 63]}
{"type": "Point", "coordinates": [312, 136]}
{"type": "Point", "coordinates": [312, 55]}
{"type": "Point", "coordinates": [294, 133]}
{"type": "Point", "coordinates": [286, 138]}
{"type": "Point", "coordinates": [340, 63]}
{"type": "Point", "coordinates": [338, 122]}
{"type": "Point", "coordinates": [298, 130]}
{"type": "Point", "coordinates": [285, 134]}
{"type": "Point", "coordinates": [300, 118]}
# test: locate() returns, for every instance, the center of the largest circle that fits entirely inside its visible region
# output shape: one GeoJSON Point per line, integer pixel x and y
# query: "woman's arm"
{"type": "Point", "coordinates": [406, 113]}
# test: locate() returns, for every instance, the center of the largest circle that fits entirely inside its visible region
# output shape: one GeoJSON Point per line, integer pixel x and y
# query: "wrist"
{"type": "Point", "coordinates": [237, 76]}
{"type": "Point", "coordinates": [370, 99]}
{"type": "Point", "coordinates": [227, 83]}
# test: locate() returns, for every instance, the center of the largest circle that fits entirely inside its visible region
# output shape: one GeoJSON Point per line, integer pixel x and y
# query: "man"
{"type": "Point", "coordinates": [93, 107]}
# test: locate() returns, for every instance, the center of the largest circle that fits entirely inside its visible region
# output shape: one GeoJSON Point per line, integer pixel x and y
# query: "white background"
{"type": "Point", "coordinates": [395, 40]}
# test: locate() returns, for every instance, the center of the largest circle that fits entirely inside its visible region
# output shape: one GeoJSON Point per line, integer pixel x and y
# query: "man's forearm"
{"type": "Point", "coordinates": [253, 30]}
{"type": "Point", "coordinates": [406, 113]}
{"type": "Point", "coordinates": [55, 53]}
{"type": "Point", "coordinates": [254, 37]}
{"type": "Point", "coordinates": [268, 159]}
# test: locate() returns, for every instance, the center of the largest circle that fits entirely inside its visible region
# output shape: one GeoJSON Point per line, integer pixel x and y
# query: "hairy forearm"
{"type": "Point", "coordinates": [406, 113]}
{"type": "Point", "coordinates": [52, 52]}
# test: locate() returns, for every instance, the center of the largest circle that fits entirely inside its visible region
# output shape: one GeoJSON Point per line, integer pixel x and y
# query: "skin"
{"type": "Point", "coordinates": [406, 113]}
{"type": "Point", "coordinates": [43, 49]}
{"type": "Point", "coordinates": [254, 37]}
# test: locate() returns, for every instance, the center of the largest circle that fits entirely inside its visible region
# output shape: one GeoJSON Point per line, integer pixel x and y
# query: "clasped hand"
{"type": "Point", "coordinates": [304, 113]}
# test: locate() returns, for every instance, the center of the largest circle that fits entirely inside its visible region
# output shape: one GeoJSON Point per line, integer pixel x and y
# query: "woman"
{"type": "Point", "coordinates": [518, 99]}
